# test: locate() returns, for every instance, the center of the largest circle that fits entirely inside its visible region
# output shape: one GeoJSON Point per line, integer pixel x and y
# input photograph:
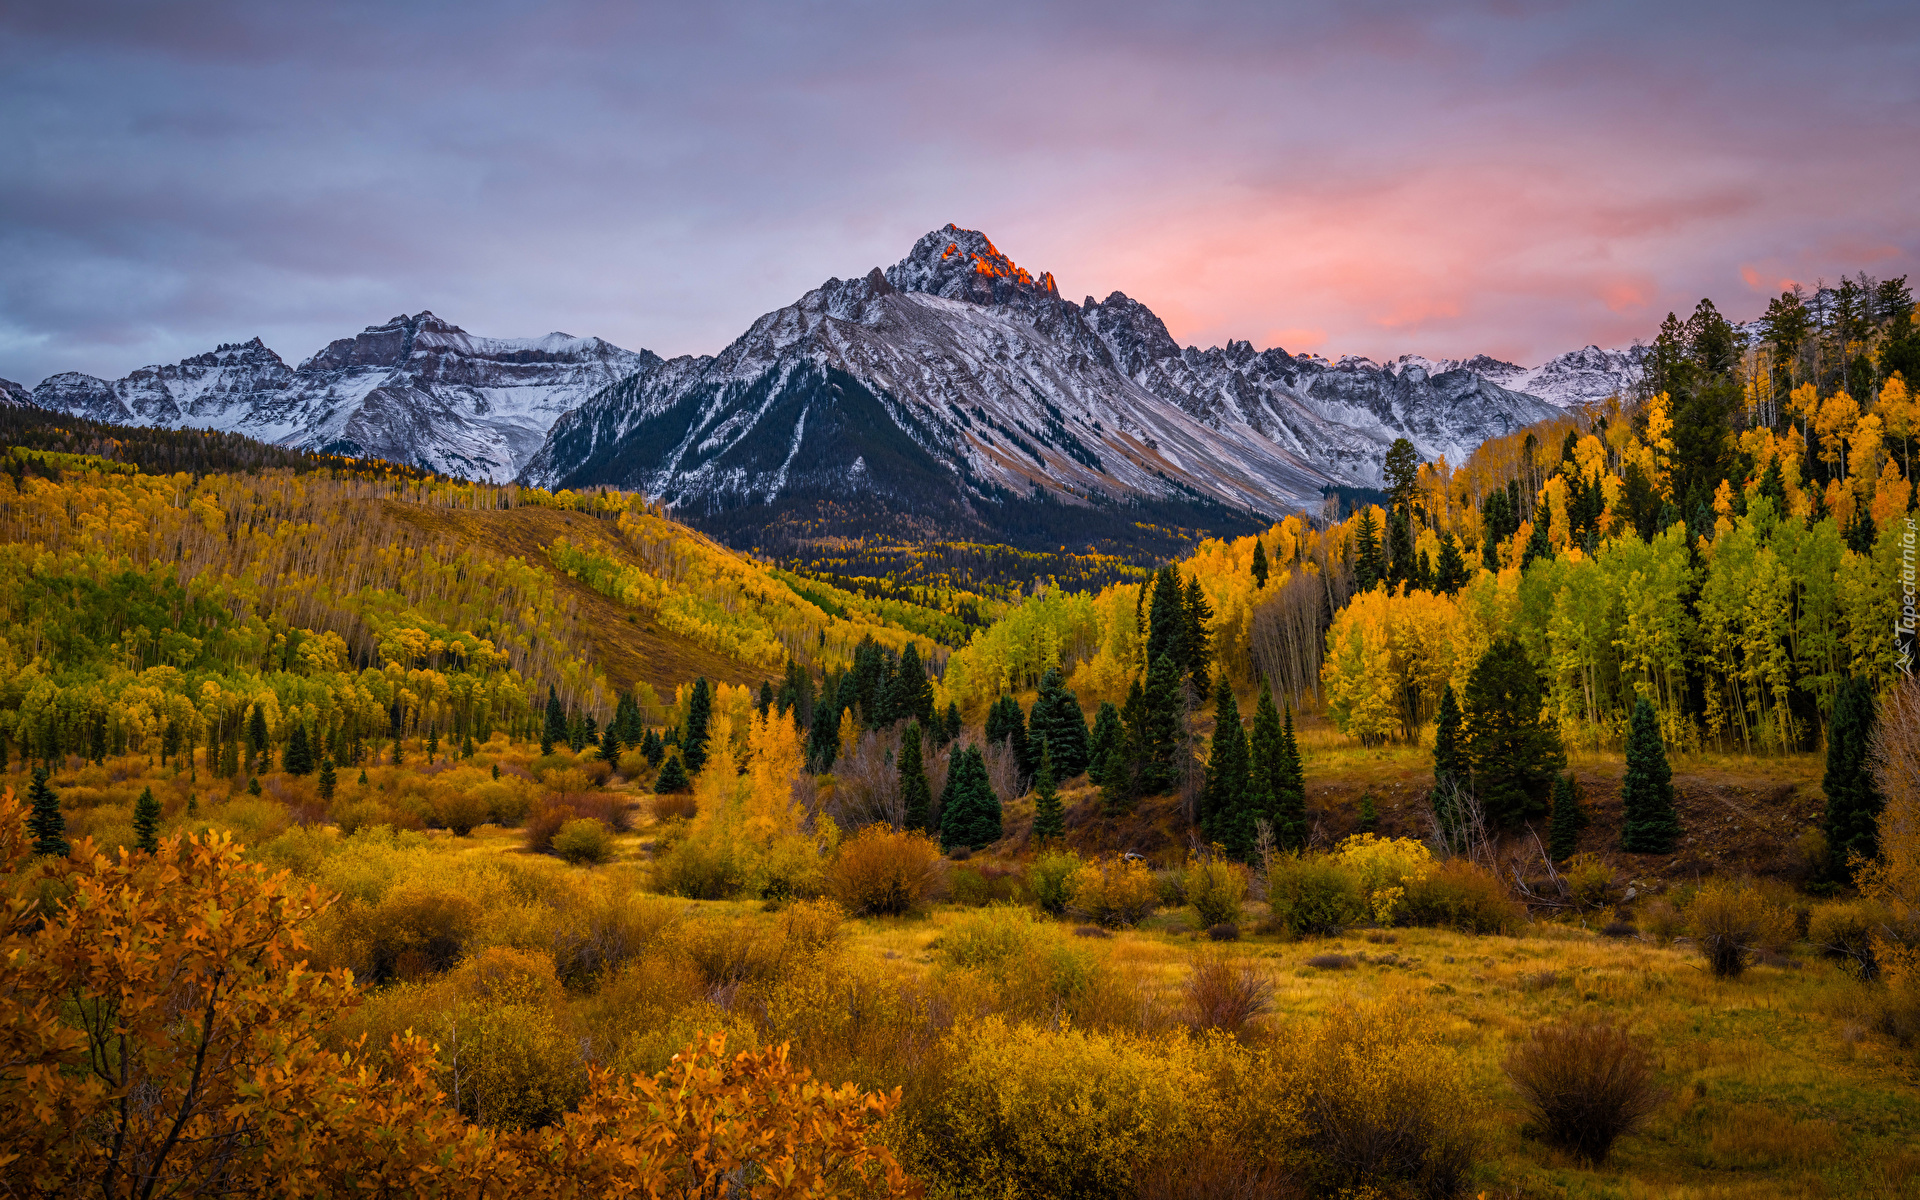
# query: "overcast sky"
{"type": "Point", "coordinates": [1511, 178]}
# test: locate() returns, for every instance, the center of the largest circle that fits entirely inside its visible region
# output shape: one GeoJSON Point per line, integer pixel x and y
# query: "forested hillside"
{"type": "Point", "coordinates": [156, 610]}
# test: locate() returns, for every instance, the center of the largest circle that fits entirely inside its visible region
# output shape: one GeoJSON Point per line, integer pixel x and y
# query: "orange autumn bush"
{"type": "Point", "coordinates": [166, 1037]}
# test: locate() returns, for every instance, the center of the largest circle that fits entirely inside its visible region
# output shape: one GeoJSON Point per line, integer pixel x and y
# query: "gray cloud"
{"type": "Point", "coordinates": [1378, 178]}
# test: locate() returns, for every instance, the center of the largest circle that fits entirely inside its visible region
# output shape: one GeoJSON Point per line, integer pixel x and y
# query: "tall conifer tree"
{"type": "Point", "coordinates": [1223, 805]}
{"type": "Point", "coordinates": [146, 822]}
{"type": "Point", "coordinates": [916, 797]}
{"type": "Point", "coordinates": [1513, 752]}
{"type": "Point", "coordinates": [1646, 793]}
{"type": "Point", "coordinates": [1049, 818]}
{"type": "Point", "coordinates": [1569, 818]}
{"type": "Point", "coordinates": [1259, 564]}
{"type": "Point", "coordinates": [45, 821]}
{"type": "Point", "coordinates": [699, 718]}
{"type": "Point", "coordinates": [1853, 802]}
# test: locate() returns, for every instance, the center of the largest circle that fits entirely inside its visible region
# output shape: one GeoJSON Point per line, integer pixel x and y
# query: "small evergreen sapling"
{"type": "Point", "coordinates": [1290, 791]}
{"type": "Point", "coordinates": [969, 811]}
{"type": "Point", "coordinates": [673, 778]}
{"type": "Point", "coordinates": [146, 822]}
{"type": "Point", "coordinates": [1049, 818]}
{"type": "Point", "coordinates": [916, 795]}
{"type": "Point", "coordinates": [1569, 818]}
{"type": "Point", "coordinates": [45, 821]}
{"type": "Point", "coordinates": [1853, 803]}
{"type": "Point", "coordinates": [1106, 739]}
{"type": "Point", "coordinates": [1646, 792]}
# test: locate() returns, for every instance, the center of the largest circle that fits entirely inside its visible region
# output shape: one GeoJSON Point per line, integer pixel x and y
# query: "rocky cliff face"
{"type": "Point", "coordinates": [415, 390]}
{"type": "Point", "coordinates": [957, 392]}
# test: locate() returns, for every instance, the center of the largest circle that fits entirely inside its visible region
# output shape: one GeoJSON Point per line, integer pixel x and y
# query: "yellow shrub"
{"type": "Point", "coordinates": [1029, 1112]}
{"type": "Point", "coordinates": [1383, 867]}
{"type": "Point", "coordinates": [1216, 888]}
{"type": "Point", "coordinates": [1385, 1104]}
{"type": "Point", "coordinates": [885, 872]}
{"type": "Point", "coordinates": [1113, 891]}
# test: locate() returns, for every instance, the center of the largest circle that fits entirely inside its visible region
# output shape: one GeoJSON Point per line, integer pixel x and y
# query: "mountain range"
{"type": "Point", "coordinates": [415, 390]}
{"type": "Point", "coordinates": [953, 394]}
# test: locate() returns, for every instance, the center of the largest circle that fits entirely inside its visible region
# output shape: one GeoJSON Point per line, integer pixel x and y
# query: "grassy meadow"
{"type": "Point", "coordinates": [1795, 1079]}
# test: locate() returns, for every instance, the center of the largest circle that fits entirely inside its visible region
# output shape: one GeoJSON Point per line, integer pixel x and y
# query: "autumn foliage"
{"type": "Point", "coordinates": [164, 1036]}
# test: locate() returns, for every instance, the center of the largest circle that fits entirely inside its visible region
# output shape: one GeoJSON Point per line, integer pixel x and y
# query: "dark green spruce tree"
{"type": "Point", "coordinates": [146, 822]}
{"type": "Point", "coordinates": [328, 780]}
{"type": "Point", "coordinates": [1049, 817]}
{"type": "Point", "coordinates": [969, 811]}
{"type": "Point", "coordinates": [1451, 776]}
{"type": "Point", "coordinates": [672, 778]}
{"type": "Point", "coordinates": [1259, 564]}
{"type": "Point", "coordinates": [1225, 816]}
{"type": "Point", "coordinates": [1368, 571]}
{"type": "Point", "coordinates": [1853, 802]}
{"type": "Point", "coordinates": [916, 797]}
{"type": "Point", "coordinates": [1057, 717]}
{"type": "Point", "coordinates": [699, 718]}
{"type": "Point", "coordinates": [298, 760]}
{"type": "Point", "coordinates": [1195, 642]}
{"type": "Point", "coordinates": [45, 821]}
{"type": "Point", "coordinates": [1160, 730]}
{"type": "Point", "coordinates": [1569, 818]}
{"type": "Point", "coordinates": [1266, 762]}
{"type": "Point", "coordinates": [1512, 751]}
{"type": "Point", "coordinates": [652, 747]}
{"type": "Point", "coordinates": [553, 729]}
{"type": "Point", "coordinates": [1106, 739]}
{"type": "Point", "coordinates": [1290, 791]}
{"type": "Point", "coordinates": [1649, 825]}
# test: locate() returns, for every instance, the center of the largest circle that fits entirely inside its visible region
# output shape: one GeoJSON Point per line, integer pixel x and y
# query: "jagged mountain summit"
{"type": "Point", "coordinates": [957, 393]}
{"type": "Point", "coordinates": [14, 395]}
{"type": "Point", "coordinates": [415, 390]}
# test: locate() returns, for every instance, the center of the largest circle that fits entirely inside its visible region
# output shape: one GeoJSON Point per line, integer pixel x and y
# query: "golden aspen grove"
{"type": "Point", "coordinates": [1541, 825]}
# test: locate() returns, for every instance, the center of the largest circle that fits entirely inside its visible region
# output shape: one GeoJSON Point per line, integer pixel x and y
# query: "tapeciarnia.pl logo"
{"type": "Point", "coordinates": [1903, 625]}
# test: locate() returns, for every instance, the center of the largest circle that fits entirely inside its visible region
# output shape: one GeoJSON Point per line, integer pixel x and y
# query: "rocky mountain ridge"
{"type": "Point", "coordinates": [957, 390]}
{"type": "Point", "coordinates": [415, 389]}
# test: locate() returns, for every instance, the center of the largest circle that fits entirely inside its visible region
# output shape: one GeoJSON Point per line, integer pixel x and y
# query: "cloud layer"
{"type": "Point", "coordinates": [1507, 177]}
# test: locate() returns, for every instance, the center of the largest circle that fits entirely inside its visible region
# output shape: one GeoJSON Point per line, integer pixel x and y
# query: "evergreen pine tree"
{"type": "Point", "coordinates": [1646, 793]}
{"type": "Point", "coordinates": [1512, 752]}
{"type": "Point", "coordinates": [576, 735]}
{"type": "Point", "coordinates": [229, 760]}
{"type": "Point", "coordinates": [1049, 817]}
{"type": "Point", "coordinates": [256, 732]}
{"type": "Point", "coordinates": [146, 822]}
{"type": "Point", "coordinates": [652, 747]}
{"type": "Point", "coordinates": [1265, 762]}
{"type": "Point", "coordinates": [969, 811]}
{"type": "Point", "coordinates": [1105, 740]}
{"type": "Point", "coordinates": [912, 690]}
{"type": "Point", "coordinates": [1537, 544]}
{"type": "Point", "coordinates": [672, 778]}
{"type": "Point", "coordinates": [1290, 791]}
{"type": "Point", "coordinates": [298, 760]}
{"type": "Point", "coordinates": [553, 727]}
{"type": "Point", "coordinates": [1450, 773]}
{"type": "Point", "coordinates": [1160, 731]}
{"type": "Point", "coordinates": [1195, 640]}
{"type": "Point", "coordinates": [1400, 563]}
{"type": "Point", "coordinates": [328, 780]}
{"type": "Point", "coordinates": [1853, 802]}
{"type": "Point", "coordinates": [1166, 616]}
{"type": "Point", "coordinates": [253, 786]}
{"type": "Point", "coordinates": [1451, 575]}
{"type": "Point", "coordinates": [466, 745]}
{"type": "Point", "coordinates": [916, 795]}
{"type": "Point", "coordinates": [1121, 781]}
{"type": "Point", "coordinates": [1367, 572]}
{"type": "Point", "coordinates": [1056, 716]}
{"type": "Point", "coordinates": [1569, 818]}
{"type": "Point", "coordinates": [433, 745]}
{"type": "Point", "coordinates": [1259, 564]}
{"type": "Point", "coordinates": [1225, 815]}
{"type": "Point", "coordinates": [823, 740]}
{"type": "Point", "coordinates": [610, 743]}
{"type": "Point", "coordinates": [693, 747]}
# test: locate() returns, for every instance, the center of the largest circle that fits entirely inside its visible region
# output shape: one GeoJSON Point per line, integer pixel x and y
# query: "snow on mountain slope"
{"type": "Point", "coordinates": [958, 388]}
{"type": "Point", "coordinates": [14, 395]}
{"type": "Point", "coordinates": [415, 390]}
